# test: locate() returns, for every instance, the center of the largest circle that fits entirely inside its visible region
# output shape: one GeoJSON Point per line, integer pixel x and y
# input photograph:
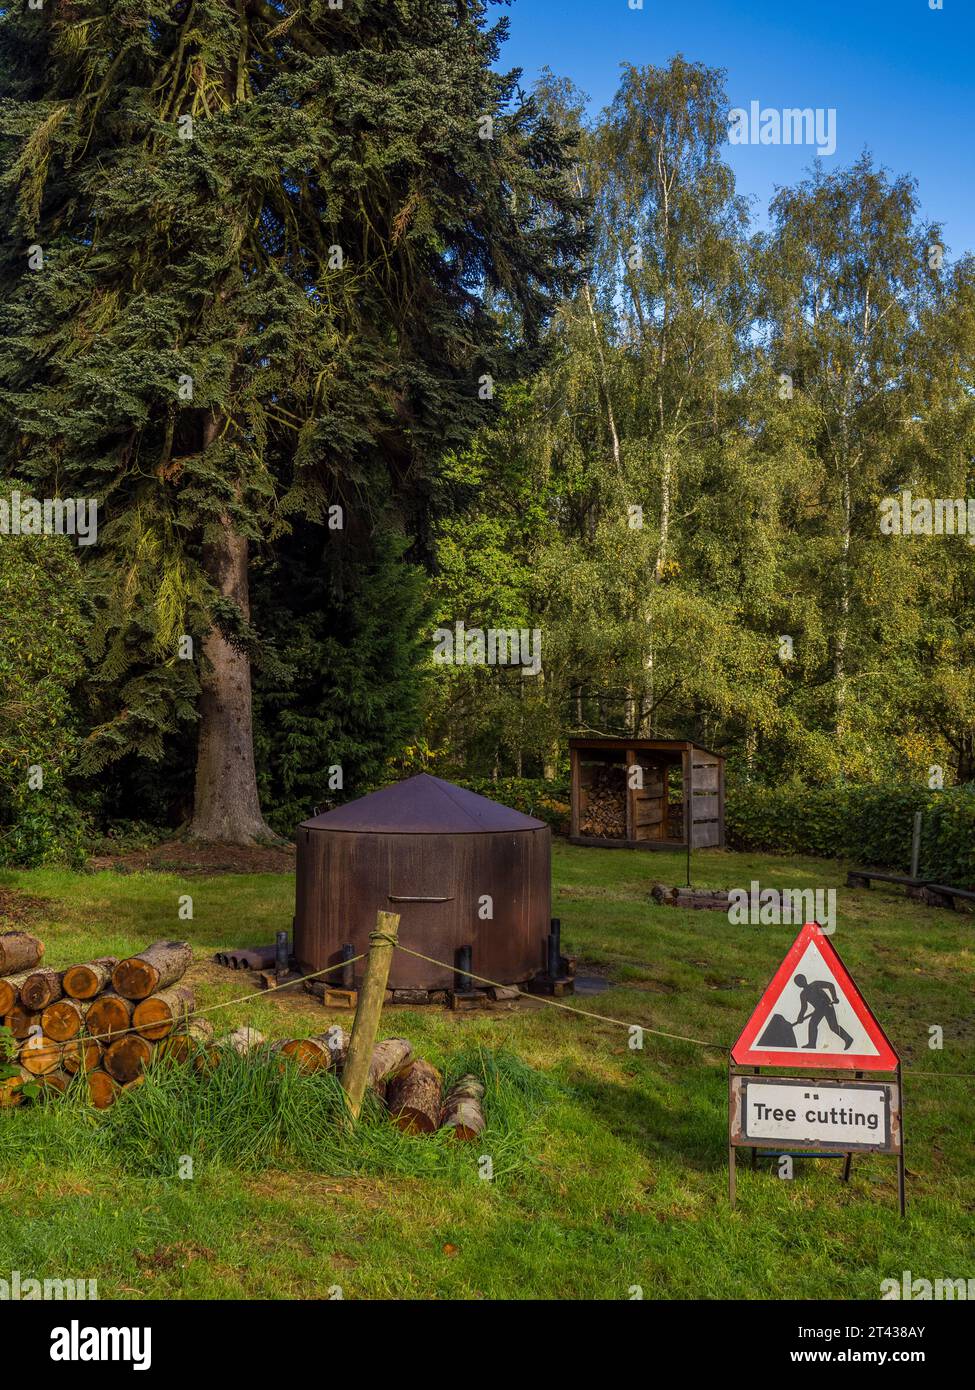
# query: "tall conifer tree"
{"type": "Point", "coordinates": [253, 260]}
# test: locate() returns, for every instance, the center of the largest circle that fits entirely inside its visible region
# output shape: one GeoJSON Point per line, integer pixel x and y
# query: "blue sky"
{"type": "Point", "coordinates": [898, 74]}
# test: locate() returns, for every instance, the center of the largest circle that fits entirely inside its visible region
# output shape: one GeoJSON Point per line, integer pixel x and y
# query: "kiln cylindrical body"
{"type": "Point", "coordinates": [472, 873]}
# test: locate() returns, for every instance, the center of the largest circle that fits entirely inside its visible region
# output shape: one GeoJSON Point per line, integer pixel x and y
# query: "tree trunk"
{"type": "Point", "coordinates": [462, 1109]}
{"type": "Point", "coordinates": [85, 981]}
{"type": "Point", "coordinates": [157, 1016]}
{"type": "Point", "coordinates": [226, 804]}
{"type": "Point", "coordinates": [19, 951]}
{"type": "Point", "coordinates": [159, 965]}
{"type": "Point", "coordinates": [414, 1098]}
{"type": "Point", "coordinates": [388, 1059]}
{"type": "Point", "coordinates": [666, 485]}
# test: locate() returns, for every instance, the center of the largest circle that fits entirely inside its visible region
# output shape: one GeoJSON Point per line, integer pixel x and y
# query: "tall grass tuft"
{"type": "Point", "coordinates": [252, 1112]}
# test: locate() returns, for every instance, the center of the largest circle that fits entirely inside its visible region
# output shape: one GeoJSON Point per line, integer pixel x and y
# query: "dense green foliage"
{"type": "Point", "coordinates": [344, 688]}
{"type": "Point", "coordinates": [686, 501]}
{"type": "Point", "coordinates": [42, 619]}
{"type": "Point", "coordinates": [551, 380]}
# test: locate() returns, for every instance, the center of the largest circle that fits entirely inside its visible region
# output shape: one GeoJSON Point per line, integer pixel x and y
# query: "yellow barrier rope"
{"type": "Point", "coordinates": [557, 1004]}
{"type": "Point", "coordinates": [482, 979]}
{"type": "Point", "coordinates": [621, 1023]}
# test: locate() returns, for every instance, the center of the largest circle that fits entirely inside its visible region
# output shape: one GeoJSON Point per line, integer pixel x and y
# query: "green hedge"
{"type": "Point", "coordinates": [871, 824]}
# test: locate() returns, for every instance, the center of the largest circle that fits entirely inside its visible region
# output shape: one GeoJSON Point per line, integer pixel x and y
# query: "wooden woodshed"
{"type": "Point", "coordinates": [646, 793]}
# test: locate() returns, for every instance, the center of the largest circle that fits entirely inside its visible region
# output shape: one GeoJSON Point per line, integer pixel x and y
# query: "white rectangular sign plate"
{"type": "Point", "coordinates": [836, 1116]}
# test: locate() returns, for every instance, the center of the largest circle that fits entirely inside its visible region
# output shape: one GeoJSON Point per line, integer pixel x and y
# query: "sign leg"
{"type": "Point", "coordinates": [848, 1161]}
{"type": "Point", "coordinates": [732, 1175]}
{"type": "Point", "coordinates": [732, 1183]}
{"type": "Point", "coordinates": [901, 1170]}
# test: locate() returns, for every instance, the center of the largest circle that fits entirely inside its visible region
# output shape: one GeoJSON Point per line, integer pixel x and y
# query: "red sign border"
{"type": "Point", "coordinates": [743, 1054]}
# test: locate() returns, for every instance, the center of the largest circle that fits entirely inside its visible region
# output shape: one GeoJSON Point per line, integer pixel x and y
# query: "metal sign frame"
{"type": "Point", "coordinates": [836, 1062]}
{"type": "Point", "coordinates": [824, 1151]}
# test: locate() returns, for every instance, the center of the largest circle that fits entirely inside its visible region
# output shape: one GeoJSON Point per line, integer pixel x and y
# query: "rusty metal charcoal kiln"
{"type": "Point", "coordinates": [433, 853]}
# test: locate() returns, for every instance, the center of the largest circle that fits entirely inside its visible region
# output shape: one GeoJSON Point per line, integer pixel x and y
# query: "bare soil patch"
{"type": "Point", "coordinates": [186, 857]}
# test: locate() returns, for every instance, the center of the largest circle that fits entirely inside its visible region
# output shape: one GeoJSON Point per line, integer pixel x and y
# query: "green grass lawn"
{"type": "Point", "coordinates": [611, 1171]}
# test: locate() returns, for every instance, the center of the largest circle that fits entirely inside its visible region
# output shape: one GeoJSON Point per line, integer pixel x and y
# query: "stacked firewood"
{"type": "Point", "coordinates": [604, 815]}
{"type": "Point", "coordinates": [105, 1017]}
{"type": "Point", "coordinates": [109, 1018]}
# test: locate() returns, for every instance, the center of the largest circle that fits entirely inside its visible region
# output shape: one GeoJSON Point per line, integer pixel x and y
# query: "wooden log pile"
{"type": "Point", "coordinates": [604, 813]}
{"type": "Point", "coordinates": [108, 1019]}
{"type": "Point", "coordinates": [104, 1018]}
{"type": "Point", "coordinates": [699, 899]}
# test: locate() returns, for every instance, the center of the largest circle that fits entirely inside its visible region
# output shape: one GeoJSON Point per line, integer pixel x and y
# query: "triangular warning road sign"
{"type": "Point", "coordinates": [813, 1015]}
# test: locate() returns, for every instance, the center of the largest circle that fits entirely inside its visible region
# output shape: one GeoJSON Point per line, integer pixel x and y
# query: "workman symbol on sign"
{"type": "Point", "coordinates": [819, 1000]}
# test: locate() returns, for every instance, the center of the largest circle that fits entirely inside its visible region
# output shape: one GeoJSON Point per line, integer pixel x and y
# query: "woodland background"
{"type": "Point", "coordinates": [754, 393]}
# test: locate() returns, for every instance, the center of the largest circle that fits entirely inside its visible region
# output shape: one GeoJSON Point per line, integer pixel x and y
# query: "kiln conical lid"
{"type": "Point", "coordinates": [423, 805]}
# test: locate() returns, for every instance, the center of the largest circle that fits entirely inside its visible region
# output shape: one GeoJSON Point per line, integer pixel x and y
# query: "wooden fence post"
{"type": "Point", "coordinates": [355, 1073]}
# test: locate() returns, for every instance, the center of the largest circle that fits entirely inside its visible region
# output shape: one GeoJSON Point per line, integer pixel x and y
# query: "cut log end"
{"type": "Point", "coordinates": [39, 1055]}
{"type": "Point", "coordinates": [108, 1015]}
{"type": "Point", "coordinates": [56, 1082]}
{"type": "Point", "coordinates": [20, 1021]}
{"type": "Point", "coordinates": [414, 1098]}
{"type": "Point", "coordinates": [10, 990]}
{"type": "Point", "coordinates": [127, 1058]}
{"type": "Point", "coordinates": [42, 987]}
{"type": "Point", "coordinates": [103, 1089]}
{"type": "Point", "coordinates": [160, 965]}
{"type": "Point", "coordinates": [196, 1037]}
{"type": "Point", "coordinates": [63, 1020]}
{"type": "Point", "coordinates": [85, 981]}
{"type": "Point", "coordinates": [135, 979]}
{"type": "Point", "coordinates": [309, 1054]}
{"type": "Point", "coordinates": [157, 1016]}
{"type": "Point", "coordinates": [82, 1054]}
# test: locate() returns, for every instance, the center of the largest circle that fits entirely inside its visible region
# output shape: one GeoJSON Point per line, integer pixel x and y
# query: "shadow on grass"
{"type": "Point", "coordinates": [687, 1122]}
